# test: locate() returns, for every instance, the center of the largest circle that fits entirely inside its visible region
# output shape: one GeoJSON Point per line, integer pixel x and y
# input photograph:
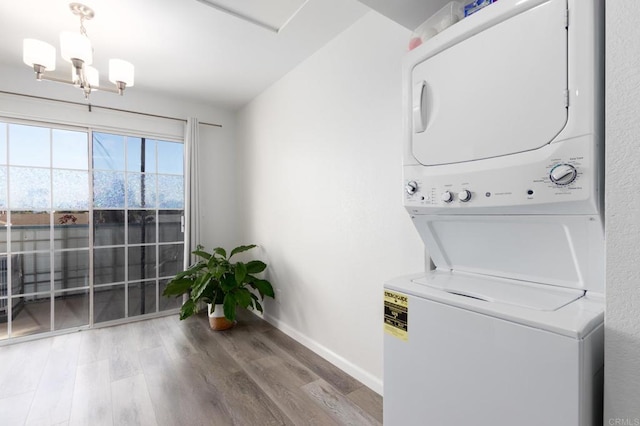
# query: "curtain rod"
{"type": "Point", "coordinates": [106, 108]}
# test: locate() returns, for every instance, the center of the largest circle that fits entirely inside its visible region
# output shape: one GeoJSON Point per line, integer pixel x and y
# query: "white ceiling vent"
{"type": "Point", "coordinates": [273, 15]}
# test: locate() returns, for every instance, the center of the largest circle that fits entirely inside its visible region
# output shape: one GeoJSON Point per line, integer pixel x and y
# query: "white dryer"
{"type": "Point", "coordinates": [503, 171]}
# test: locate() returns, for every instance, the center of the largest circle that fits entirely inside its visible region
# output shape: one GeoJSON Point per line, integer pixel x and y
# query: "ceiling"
{"type": "Point", "coordinates": [184, 48]}
{"type": "Point", "coordinates": [408, 13]}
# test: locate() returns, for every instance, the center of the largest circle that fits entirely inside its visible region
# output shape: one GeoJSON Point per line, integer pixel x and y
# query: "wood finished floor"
{"type": "Point", "coordinates": [166, 372]}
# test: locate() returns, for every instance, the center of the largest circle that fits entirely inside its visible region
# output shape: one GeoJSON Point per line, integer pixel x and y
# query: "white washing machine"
{"type": "Point", "coordinates": [503, 171]}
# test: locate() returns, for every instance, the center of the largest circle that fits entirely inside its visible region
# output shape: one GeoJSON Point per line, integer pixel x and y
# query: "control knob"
{"type": "Point", "coordinates": [563, 174]}
{"type": "Point", "coordinates": [411, 187]}
{"type": "Point", "coordinates": [447, 197]}
{"type": "Point", "coordinates": [464, 195]}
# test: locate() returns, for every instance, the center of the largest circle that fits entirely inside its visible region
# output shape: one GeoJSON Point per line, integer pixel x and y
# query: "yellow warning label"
{"type": "Point", "coordinates": [396, 314]}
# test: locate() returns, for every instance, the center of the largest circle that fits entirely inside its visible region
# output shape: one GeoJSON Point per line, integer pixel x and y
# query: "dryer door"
{"type": "Point", "coordinates": [498, 92]}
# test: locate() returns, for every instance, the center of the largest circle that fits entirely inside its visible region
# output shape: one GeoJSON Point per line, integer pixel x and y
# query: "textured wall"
{"type": "Point", "coordinates": [622, 353]}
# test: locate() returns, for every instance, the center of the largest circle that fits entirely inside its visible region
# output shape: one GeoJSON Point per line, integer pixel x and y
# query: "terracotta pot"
{"type": "Point", "coordinates": [217, 321]}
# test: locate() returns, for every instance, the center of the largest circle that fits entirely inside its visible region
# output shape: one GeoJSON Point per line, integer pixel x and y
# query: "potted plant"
{"type": "Point", "coordinates": [222, 284]}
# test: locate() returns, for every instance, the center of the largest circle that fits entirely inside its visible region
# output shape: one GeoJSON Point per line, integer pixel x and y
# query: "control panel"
{"type": "Point", "coordinates": [567, 176]}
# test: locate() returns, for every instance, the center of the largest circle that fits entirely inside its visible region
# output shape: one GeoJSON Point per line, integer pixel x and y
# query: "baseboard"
{"type": "Point", "coordinates": [368, 379]}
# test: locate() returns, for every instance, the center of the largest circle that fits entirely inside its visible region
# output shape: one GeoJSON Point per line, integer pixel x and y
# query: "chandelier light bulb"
{"type": "Point", "coordinates": [75, 46]}
{"type": "Point", "coordinates": [36, 52]}
{"type": "Point", "coordinates": [93, 77]}
{"type": "Point", "coordinates": [121, 71]}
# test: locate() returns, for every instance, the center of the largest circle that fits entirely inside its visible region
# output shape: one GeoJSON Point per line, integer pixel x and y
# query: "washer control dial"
{"type": "Point", "coordinates": [464, 195]}
{"type": "Point", "coordinates": [411, 187]}
{"type": "Point", "coordinates": [447, 197]}
{"type": "Point", "coordinates": [563, 174]}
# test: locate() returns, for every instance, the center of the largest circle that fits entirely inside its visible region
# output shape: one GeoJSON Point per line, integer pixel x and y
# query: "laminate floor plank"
{"type": "Point", "coordinates": [122, 349]}
{"type": "Point", "coordinates": [24, 369]}
{"type": "Point", "coordinates": [52, 401]}
{"type": "Point", "coordinates": [172, 337]}
{"type": "Point", "coordinates": [248, 404]}
{"type": "Point", "coordinates": [337, 405]}
{"type": "Point", "coordinates": [244, 345]}
{"type": "Point", "coordinates": [208, 366]}
{"type": "Point", "coordinates": [15, 409]}
{"type": "Point", "coordinates": [211, 356]}
{"type": "Point", "coordinates": [298, 372]}
{"type": "Point", "coordinates": [323, 368]}
{"type": "Point", "coordinates": [369, 401]}
{"type": "Point", "coordinates": [155, 359]}
{"type": "Point", "coordinates": [92, 395]}
{"type": "Point", "coordinates": [94, 346]}
{"type": "Point", "coordinates": [182, 396]}
{"type": "Point", "coordinates": [144, 334]}
{"type": "Point", "coordinates": [247, 319]}
{"type": "Point", "coordinates": [282, 383]}
{"type": "Point", "coordinates": [131, 402]}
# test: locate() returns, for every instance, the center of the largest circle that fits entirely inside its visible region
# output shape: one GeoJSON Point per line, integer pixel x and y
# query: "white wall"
{"type": "Point", "coordinates": [217, 149]}
{"type": "Point", "coordinates": [321, 164]}
{"type": "Point", "coordinates": [622, 323]}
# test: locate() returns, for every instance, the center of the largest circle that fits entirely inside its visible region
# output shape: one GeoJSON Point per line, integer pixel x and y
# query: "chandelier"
{"type": "Point", "coordinates": [76, 49]}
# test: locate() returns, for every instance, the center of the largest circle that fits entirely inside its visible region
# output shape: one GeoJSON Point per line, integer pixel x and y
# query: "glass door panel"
{"type": "Point", "coordinates": [71, 309]}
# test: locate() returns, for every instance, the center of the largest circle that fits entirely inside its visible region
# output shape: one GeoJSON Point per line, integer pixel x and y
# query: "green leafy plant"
{"type": "Point", "coordinates": [215, 279]}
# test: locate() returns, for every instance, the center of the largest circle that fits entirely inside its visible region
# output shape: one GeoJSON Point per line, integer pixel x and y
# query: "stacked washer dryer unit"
{"type": "Point", "coordinates": [503, 181]}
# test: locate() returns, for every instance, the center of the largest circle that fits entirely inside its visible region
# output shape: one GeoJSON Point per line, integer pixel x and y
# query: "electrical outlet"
{"type": "Point", "coordinates": [278, 296]}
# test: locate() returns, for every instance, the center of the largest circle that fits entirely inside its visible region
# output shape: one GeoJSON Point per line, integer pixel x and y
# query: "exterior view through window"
{"type": "Point", "coordinates": [93, 226]}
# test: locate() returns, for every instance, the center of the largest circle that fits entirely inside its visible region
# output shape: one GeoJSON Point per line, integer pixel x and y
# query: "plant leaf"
{"type": "Point", "coordinates": [201, 253]}
{"type": "Point", "coordinates": [218, 271]}
{"type": "Point", "coordinates": [220, 252]}
{"type": "Point", "coordinates": [264, 287]}
{"type": "Point", "coordinates": [256, 266]}
{"type": "Point", "coordinates": [200, 285]}
{"type": "Point", "coordinates": [178, 286]}
{"type": "Point", "coordinates": [243, 297]}
{"type": "Point", "coordinates": [213, 262]}
{"type": "Point", "coordinates": [240, 249]}
{"type": "Point", "coordinates": [228, 283]}
{"type": "Point", "coordinates": [191, 270]}
{"type": "Point", "coordinates": [188, 308]}
{"type": "Point", "coordinates": [258, 306]}
{"type": "Point", "coordinates": [209, 294]}
{"type": "Point", "coordinates": [241, 273]}
{"type": "Point", "coordinates": [229, 306]}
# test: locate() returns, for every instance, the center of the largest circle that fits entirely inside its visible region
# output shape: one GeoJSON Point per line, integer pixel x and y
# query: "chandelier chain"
{"type": "Point", "coordinates": [83, 30]}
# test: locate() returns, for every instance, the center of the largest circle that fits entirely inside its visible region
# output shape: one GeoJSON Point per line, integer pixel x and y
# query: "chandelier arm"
{"type": "Point", "coordinates": [61, 80]}
{"type": "Point", "coordinates": [109, 89]}
{"type": "Point", "coordinates": [56, 79]}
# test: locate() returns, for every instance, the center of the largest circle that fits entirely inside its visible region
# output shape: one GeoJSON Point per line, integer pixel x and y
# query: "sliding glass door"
{"type": "Point", "coordinates": [92, 226]}
{"type": "Point", "coordinates": [138, 201]}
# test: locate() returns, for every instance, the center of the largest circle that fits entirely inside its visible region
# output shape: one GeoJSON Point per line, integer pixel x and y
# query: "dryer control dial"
{"type": "Point", "coordinates": [447, 197]}
{"type": "Point", "coordinates": [411, 187]}
{"type": "Point", "coordinates": [464, 195]}
{"type": "Point", "coordinates": [563, 174]}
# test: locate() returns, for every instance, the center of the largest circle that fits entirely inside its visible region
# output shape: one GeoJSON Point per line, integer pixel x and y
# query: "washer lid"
{"type": "Point", "coordinates": [576, 319]}
{"type": "Point", "coordinates": [539, 297]}
{"type": "Point", "coordinates": [498, 92]}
